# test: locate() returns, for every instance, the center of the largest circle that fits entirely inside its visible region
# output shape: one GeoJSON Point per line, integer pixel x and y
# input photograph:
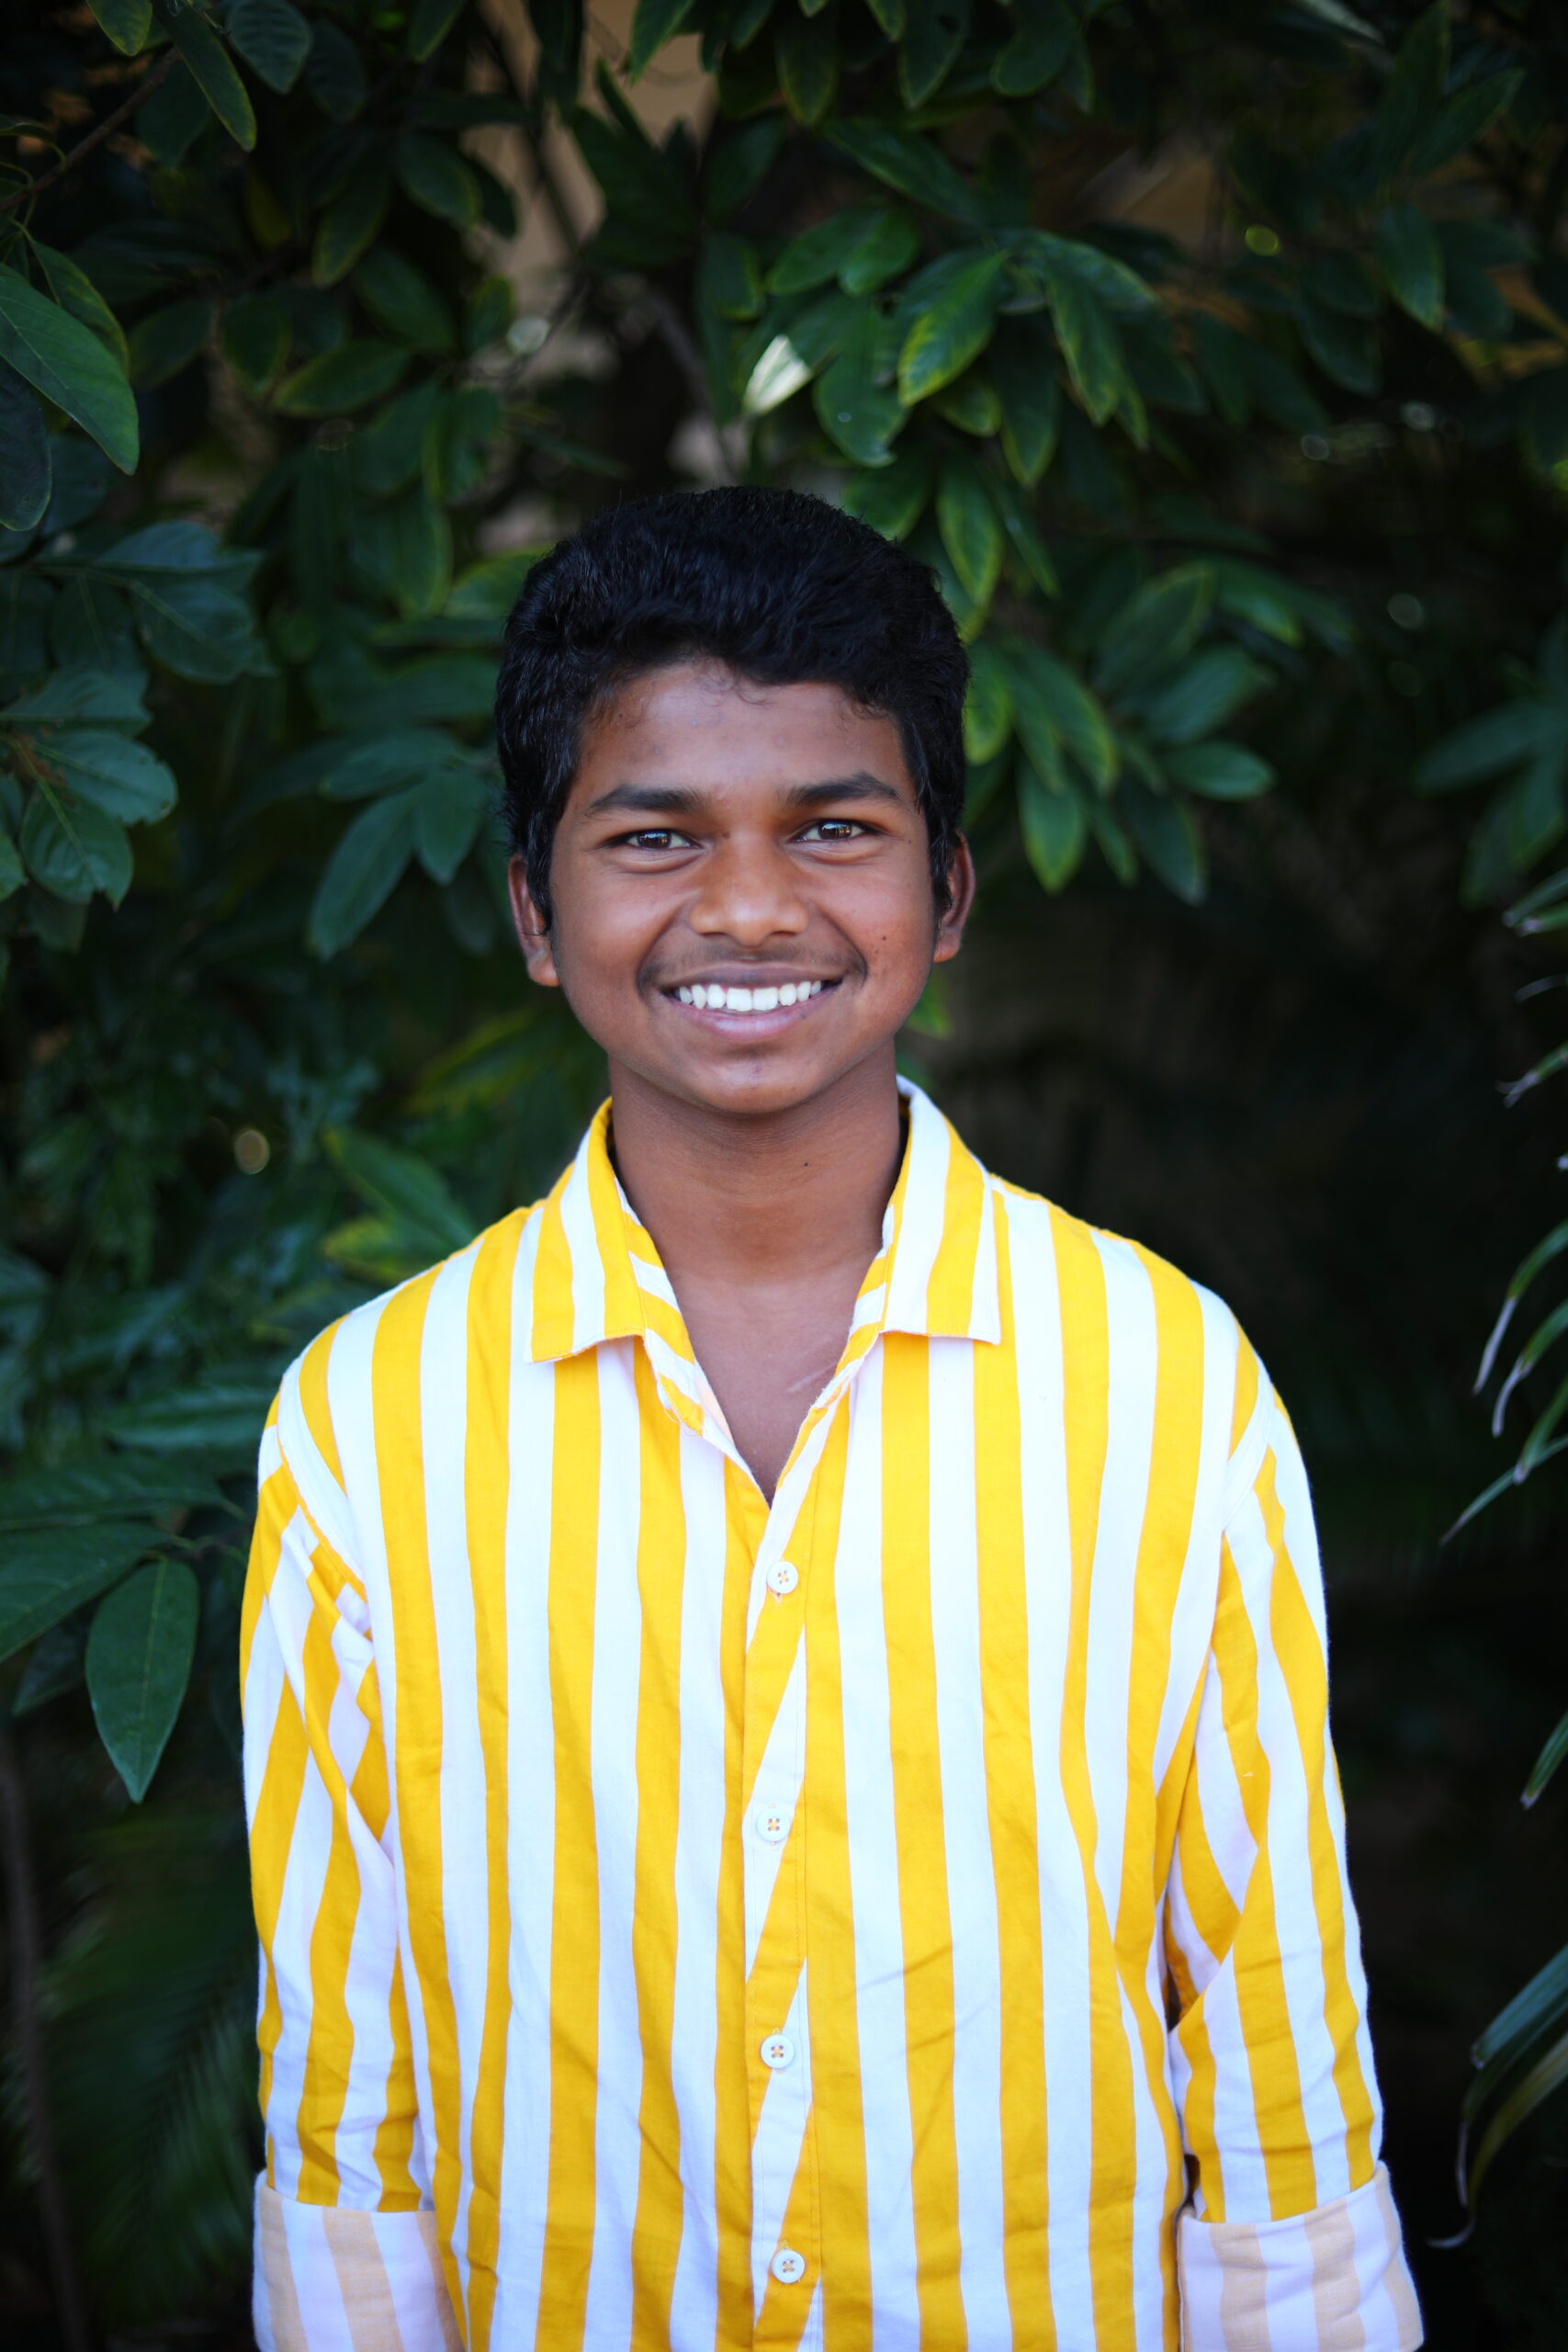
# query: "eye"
{"type": "Point", "coordinates": [835, 828]}
{"type": "Point", "coordinates": [653, 837]}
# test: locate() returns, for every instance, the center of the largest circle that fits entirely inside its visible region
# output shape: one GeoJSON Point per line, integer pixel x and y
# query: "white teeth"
{"type": "Point", "coordinates": [711, 998]}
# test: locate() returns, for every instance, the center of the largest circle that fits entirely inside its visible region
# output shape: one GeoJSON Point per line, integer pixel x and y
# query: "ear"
{"type": "Point", "coordinates": [960, 898]}
{"type": "Point", "coordinates": [533, 933]}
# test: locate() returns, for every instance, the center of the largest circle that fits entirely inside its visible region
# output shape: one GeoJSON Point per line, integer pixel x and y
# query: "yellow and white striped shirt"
{"type": "Point", "coordinates": [910, 1916]}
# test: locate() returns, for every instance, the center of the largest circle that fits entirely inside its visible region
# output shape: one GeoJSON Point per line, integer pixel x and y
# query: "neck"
{"type": "Point", "coordinates": [779, 1197]}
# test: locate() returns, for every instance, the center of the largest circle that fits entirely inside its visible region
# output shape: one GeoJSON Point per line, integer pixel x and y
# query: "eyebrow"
{"type": "Point", "coordinates": [683, 800]}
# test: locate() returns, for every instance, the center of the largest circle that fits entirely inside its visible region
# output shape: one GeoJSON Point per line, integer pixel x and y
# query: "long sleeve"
{"type": "Point", "coordinates": [345, 2249]}
{"type": "Point", "coordinates": [1291, 2242]}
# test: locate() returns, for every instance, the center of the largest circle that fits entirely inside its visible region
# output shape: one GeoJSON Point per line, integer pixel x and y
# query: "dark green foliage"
{"type": "Point", "coordinates": [1250, 529]}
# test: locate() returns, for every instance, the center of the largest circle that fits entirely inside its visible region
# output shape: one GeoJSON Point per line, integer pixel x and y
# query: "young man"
{"type": "Point", "coordinates": [786, 1709]}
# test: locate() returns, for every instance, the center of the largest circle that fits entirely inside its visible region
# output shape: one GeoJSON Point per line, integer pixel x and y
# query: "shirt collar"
{"type": "Point", "coordinates": [597, 1274]}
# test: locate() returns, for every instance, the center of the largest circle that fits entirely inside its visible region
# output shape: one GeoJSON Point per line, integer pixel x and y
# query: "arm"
{"type": "Point", "coordinates": [345, 2248]}
{"type": "Point", "coordinates": [1291, 2242]}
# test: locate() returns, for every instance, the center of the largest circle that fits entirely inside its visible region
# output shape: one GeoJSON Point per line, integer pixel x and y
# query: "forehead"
{"type": "Point", "coordinates": [700, 725]}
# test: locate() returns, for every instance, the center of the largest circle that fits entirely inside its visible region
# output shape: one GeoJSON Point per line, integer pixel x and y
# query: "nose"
{"type": "Point", "coordinates": [749, 893]}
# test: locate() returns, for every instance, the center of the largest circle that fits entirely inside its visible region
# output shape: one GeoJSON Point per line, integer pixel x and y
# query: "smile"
{"type": "Point", "coordinates": [716, 998]}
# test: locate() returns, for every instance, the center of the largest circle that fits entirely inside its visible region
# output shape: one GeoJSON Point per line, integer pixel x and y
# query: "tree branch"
{"type": "Point", "coordinates": [27, 2026]}
{"type": "Point", "coordinates": [153, 79]}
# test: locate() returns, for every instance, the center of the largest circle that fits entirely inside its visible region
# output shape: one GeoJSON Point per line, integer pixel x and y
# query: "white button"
{"type": "Point", "coordinates": [787, 2265]}
{"type": "Point", "coordinates": [777, 2051]}
{"type": "Point", "coordinates": [782, 1577]}
{"type": "Point", "coordinates": [772, 1824]}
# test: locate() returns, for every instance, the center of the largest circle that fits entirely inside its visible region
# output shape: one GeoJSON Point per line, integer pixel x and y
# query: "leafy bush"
{"type": "Point", "coordinates": [274, 451]}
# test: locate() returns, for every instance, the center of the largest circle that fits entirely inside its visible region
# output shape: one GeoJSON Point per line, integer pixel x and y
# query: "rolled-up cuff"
{"type": "Point", "coordinates": [1331, 2280]}
{"type": "Point", "coordinates": [331, 2278]}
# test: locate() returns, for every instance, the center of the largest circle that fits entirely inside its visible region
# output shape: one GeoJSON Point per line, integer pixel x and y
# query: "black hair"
{"type": "Point", "coordinates": [780, 587]}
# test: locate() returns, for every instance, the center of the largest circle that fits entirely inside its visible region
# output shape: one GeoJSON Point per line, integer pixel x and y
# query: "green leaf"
{"type": "Point", "coordinates": [892, 500]}
{"type": "Point", "coordinates": [436, 178]}
{"type": "Point", "coordinates": [806, 51]}
{"type": "Point", "coordinates": [1547, 2074]}
{"type": "Point", "coordinates": [429, 25]}
{"type": "Point", "coordinates": [362, 873]}
{"type": "Point", "coordinates": [1220, 771]}
{"type": "Point", "coordinates": [74, 290]}
{"type": "Point", "coordinates": [1535, 2008]}
{"type": "Point", "coordinates": [1544, 1769]}
{"type": "Point", "coordinates": [988, 707]}
{"type": "Point", "coordinates": [970, 402]}
{"type": "Point", "coordinates": [255, 339]}
{"type": "Point", "coordinates": [1018, 364]}
{"type": "Point", "coordinates": [1088, 341]}
{"type": "Point", "coordinates": [1155, 628]}
{"type": "Point", "coordinates": [67, 362]}
{"type": "Point", "coordinates": [139, 1661]}
{"type": "Point", "coordinates": [1054, 707]}
{"type": "Point", "coordinates": [114, 772]}
{"type": "Point", "coordinates": [911, 164]}
{"type": "Point", "coordinates": [407, 551]}
{"type": "Point", "coordinates": [167, 339]}
{"type": "Point", "coordinates": [74, 692]}
{"type": "Point", "coordinates": [54, 1667]}
{"type": "Point", "coordinates": [1413, 89]}
{"type": "Point", "coordinates": [105, 1486]}
{"type": "Point", "coordinates": [888, 247]}
{"type": "Point", "coordinates": [73, 848]}
{"type": "Point", "coordinates": [1212, 687]}
{"type": "Point", "coordinates": [818, 253]}
{"type": "Point", "coordinates": [170, 122]}
{"type": "Point", "coordinates": [1045, 38]}
{"type": "Point", "coordinates": [730, 277]}
{"type": "Point", "coordinates": [451, 809]}
{"type": "Point", "coordinates": [351, 225]}
{"type": "Point", "coordinates": [337, 381]}
{"type": "Point", "coordinates": [220, 1415]}
{"type": "Point", "coordinates": [486, 314]}
{"type": "Point", "coordinates": [1347, 351]}
{"type": "Point", "coordinates": [1461, 119]}
{"type": "Point", "coordinates": [890, 16]}
{"type": "Point", "coordinates": [401, 299]}
{"type": "Point", "coordinates": [1054, 829]}
{"type": "Point", "coordinates": [26, 471]}
{"type": "Point", "coordinates": [856, 411]}
{"type": "Point", "coordinates": [272, 37]}
{"type": "Point", "coordinates": [971, 529]}
{"type": "Point", "coordinates": [1543, 416]}
{"type": "Point", "coordinates": [1023, 539]}
{"type": "Point", "coordinates": [489, 589]}
{"type": "Point", "coordinates": [334, 73]}
{"type": "Point", "coordinates": [212, 69]}
{"type": "Point", "coordinates": [1167, 832]}
{"type": "Point", "coordinates": [934, 33]}
{"type": "Point", "coordinates": [13, 873]}
{"type": "Point", "coordinates": [44, 1576]}
{"type": "Point", "coordinates": [1412, 262]}
{"type": "Point", "coordinates": [954, 330]}
{"type": "Point", "coordinates": [656, 22]}
{"type": "Point", "coordinates": [127, 22]}
{"type": "Point", "coordinates": [401, 1185]}
{"type": "Point", "coordinates": [1486, 745]}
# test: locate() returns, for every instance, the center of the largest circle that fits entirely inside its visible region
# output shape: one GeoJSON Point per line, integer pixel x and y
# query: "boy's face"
{"type": "Point", "coordinates": [721, 836]}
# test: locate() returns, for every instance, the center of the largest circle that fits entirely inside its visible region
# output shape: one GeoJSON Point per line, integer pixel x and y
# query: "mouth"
{"type": "Point", "coordinates": [756, 1011]}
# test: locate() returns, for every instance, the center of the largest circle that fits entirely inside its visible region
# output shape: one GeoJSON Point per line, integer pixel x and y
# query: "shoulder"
{"type": "Point", "coordinates": [355, 1379]}
{"type": "Point", "coordinates": [1109, 1292]}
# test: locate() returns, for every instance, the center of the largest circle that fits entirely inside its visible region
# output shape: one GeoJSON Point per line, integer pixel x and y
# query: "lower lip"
{"type": "Point", "coordinates": [751, 1027]}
